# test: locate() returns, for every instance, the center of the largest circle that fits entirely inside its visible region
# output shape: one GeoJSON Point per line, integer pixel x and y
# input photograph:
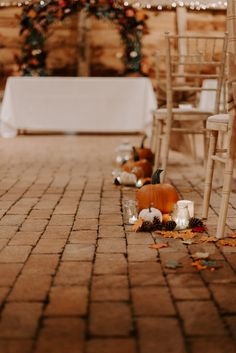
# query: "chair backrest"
{"type": "Point", "coordinates": [232, 121]}
{"type": "Point", "coordinates": [207, 98]}
{"type": "Point", "coordinates": [160, 81]}
{"type": "Point", "coordinates": [195, 66]}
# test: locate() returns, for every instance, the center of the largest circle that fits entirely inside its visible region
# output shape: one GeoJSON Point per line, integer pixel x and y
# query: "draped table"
{"type": "Point", "coordinates": [73, 104]}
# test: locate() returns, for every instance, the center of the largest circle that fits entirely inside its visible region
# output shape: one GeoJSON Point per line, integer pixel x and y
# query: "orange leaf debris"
{"type": "Point", "coordinates": [227, 242]}
{"type": "Point", "coordinates": [137, 225]}
{"type": "Point", "coordinates": [198, 265]}
{"type": "Point", "coordinates": [158, 246]}
{"type": "Point", "coordinates": [208, 239]}
{"type": "Point", "coordinates": [181, 234]}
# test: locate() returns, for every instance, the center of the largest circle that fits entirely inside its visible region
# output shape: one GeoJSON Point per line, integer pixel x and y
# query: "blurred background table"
{"type": "Point", "coordinates": [72, 104]}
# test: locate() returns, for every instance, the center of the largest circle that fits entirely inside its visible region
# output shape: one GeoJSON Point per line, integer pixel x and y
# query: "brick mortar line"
{"type": "Point", "coordinates": [177, 316]}
{"type": "Point", "coordinates": [158, 260]}
{"type": "Point", "coordinates": [180, 320]}
{"type": "Point", "coordinates": [216, 190]}
{"type": "Point", "coordinates": [217, 246]}
{"type": "Point", "coordinates": [133, 316]}
{"type": "Point", "coordinates": [46, 300]}
{"type": "Point", "coordinates": [87, 333]}
{"type": "Point", "coordinates": [201, 193]}
{"type": "Point", "coordinates": [27, 214]}
{"type": "Point", "coordinates": [26, 190]}
{"type": "Point", "coordinates": [12, 186]}
{"type": "Point", "coordinates": [17, 180]}
{"type": "Point", "coordinates": [20, 272]}
{"type": "Point", "coordinates": [212, 298]}
{"type": "Point", "coordinates": [18, 228]}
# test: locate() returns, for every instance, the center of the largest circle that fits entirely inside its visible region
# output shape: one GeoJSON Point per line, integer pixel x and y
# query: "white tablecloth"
{"type": "Point", "coordinates": [73, 104]}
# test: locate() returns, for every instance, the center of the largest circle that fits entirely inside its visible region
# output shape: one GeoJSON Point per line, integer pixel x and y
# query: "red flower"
{"type": "Point", "coordinates": [129, 13]}
{"type": "Point", "coordinates": [199, 229]}
{"type": "Point", "coordinates": [62, 3]}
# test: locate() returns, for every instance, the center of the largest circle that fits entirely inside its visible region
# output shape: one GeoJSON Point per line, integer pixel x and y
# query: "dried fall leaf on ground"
{"type": "Point", "coordinates": [158, 246]}
{"type": "Point", "coordinates": [167, 234]}
{"type": "Point", "coordinates": [211, 265]}
{"type": "Point", "coordinates": [199, 265]}
{"type": "Point", "coordinates": [227, 242]}
{"type": "Point", "coordinates": [232, 235]}
{"type": "Point", "coordinates": [173, 264]}
{"type": "Point", "coordinates": [182, 234]}
{"type": "Point", "coordinates": [187, 234]}
{"type": "Point", "coordinates": [137, 225]}
{"type": "Point", "coordinates": [188, 242]}
{"type": "Point", "coordinates": [200, 255]}
{"type": "Point", "coordinates": [208, 239]}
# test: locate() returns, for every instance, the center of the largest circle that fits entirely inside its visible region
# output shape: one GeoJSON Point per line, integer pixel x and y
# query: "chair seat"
{"type": "Point", "coordinates": [219, 118]}
{"type": "Point", "coordinates": [218, 122]}
{"type": "Point", "coordinates": [182, 114]}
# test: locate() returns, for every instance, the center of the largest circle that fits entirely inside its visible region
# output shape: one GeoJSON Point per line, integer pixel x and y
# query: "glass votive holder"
{"type": "Point", "coordinates": [181, 217]}
{"type": "Point", "coordinates": [190, 205]}
{"type": "Point", "coordinates": [130, 212]}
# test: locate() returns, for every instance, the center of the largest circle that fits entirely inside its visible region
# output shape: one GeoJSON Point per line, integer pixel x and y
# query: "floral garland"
{"type": "Point", "coordinates": [37, 17]}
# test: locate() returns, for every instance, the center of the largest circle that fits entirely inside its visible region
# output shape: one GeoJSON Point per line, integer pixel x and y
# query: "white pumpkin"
{"type": "Point", "coordinates": [127, 179]}
{"type": "Point", "coordinates": [148, 214]}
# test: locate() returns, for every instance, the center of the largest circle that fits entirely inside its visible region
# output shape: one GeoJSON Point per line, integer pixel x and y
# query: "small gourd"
{"type": "Point", "coordinates": [128, 179]}
{"type": "Point", "coordinates": [136, 162]}
{"type": "Point", "coordinates": [144, 152]}
{"type": "Point", "coordinates": [148, 214]}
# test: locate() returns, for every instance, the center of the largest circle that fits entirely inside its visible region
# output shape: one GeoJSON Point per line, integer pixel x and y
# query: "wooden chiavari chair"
{"type": "Point", "coordinates": [196, 75]}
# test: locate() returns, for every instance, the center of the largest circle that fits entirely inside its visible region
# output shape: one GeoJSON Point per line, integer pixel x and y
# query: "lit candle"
{"type": "Point", "coordinates": [130, 211]}
{"type": "Point", "coordinates": [132, 219]}
{"type": "Point", "coordinates": [181, 216]}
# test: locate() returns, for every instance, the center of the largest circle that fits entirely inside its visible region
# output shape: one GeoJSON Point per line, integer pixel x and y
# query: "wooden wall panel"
{"type": "Point", "coordinates": [105, 43]}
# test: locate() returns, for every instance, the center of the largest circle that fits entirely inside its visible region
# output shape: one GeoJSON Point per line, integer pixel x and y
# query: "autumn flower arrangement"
{"type": "Point", "coordinates": [38, 16]}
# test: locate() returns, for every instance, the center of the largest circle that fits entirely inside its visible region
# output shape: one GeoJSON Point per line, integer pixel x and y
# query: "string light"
{"type": "Point", "coordinates": [165, 4]}
{"type": "Point", "coordinates": [151, 4]}
{"type": "Point", "coordinates": [14, 3]}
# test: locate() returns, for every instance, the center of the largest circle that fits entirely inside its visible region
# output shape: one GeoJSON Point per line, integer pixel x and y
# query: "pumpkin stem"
{"type": "Point", "coordinates": [156, 176]}
{"type": "Point", "coordinates": [135, 154]}
{"type": "Point", "coordinates": [143, 140]}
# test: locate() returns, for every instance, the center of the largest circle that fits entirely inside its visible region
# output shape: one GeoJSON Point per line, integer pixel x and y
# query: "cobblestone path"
{"type": "Point", "coordinates": [74, 279]}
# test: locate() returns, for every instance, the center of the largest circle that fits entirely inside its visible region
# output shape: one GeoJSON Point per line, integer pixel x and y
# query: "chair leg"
{"type": "Point", "coordinates": [220, 168]}
{"type": "Point", "coordinates": [153, 135]}
{"type": "Point", "coordinates": [228, 175]}
{"type": "Point", "coordinates": [209, 173]}
{"type": "Point", "coordinates": [159, 131]}
{"type": "Point", "coordinates": [166, 146]}
{"type": "Point", "coordinates": [205, 145]}
{"type": "Point", "coordinates": [194, 150]}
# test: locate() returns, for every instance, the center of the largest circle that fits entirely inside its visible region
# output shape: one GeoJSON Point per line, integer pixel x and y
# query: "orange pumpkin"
{"type": "Point", "coordinates": [161, 196]}
{"type": "Point", "coordinates": [145, 153]}
{"type": "Point", "coordinates": [136, 165]}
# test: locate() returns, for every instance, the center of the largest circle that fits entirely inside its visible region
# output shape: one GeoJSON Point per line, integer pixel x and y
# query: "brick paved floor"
{"type": "Point", "coordinates": [74, 279]}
